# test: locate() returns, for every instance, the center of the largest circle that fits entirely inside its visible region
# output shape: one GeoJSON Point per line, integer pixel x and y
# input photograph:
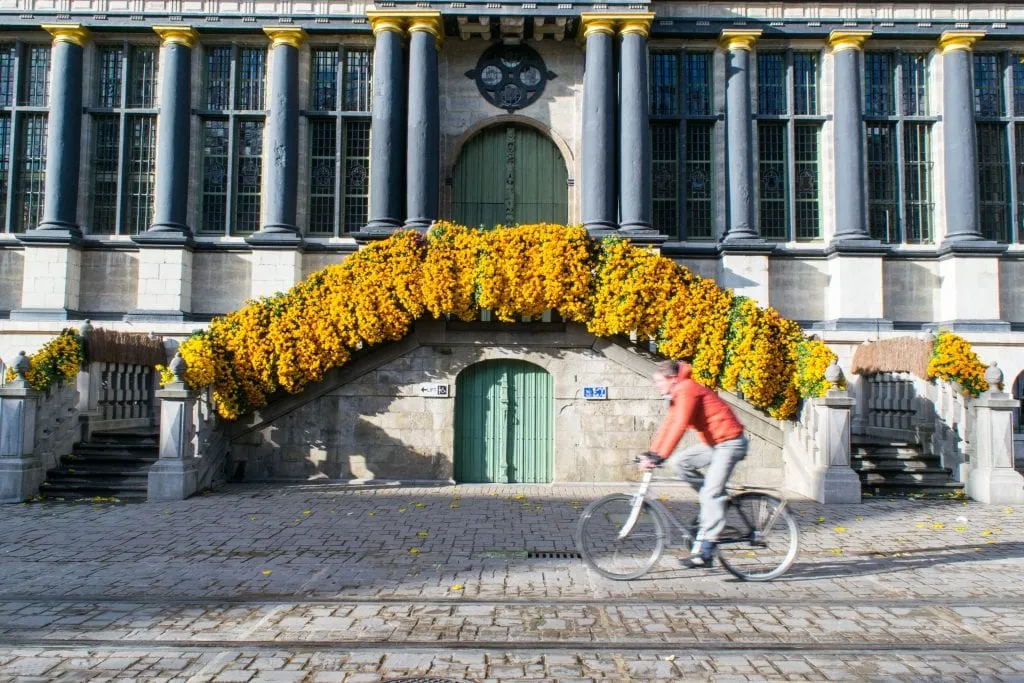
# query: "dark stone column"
{"type": "Point", "coordinates": [959, 138]}
{"type": "Point", "coordinates": [387, 141]}
{"type": "Point", "coordinates": [63, 137]}
{"type": "Point", "coordinates": [173, 136]}
{"type": "Point", "coordinates": [423, 156]}
{"type": "Point", "coordinates": [598, 155]}
{"type": "Point", "coordinates": [848, 136]}
{"type": "Point", "coordinates": [634, 127]}
{"type": "Point", "coordinates": [739, 133]}
{"type": "Point", "coordinates": [281, 167]}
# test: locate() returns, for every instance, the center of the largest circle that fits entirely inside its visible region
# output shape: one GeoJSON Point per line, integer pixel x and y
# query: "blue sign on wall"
{"type": "Point", "coordinates": [595, 393]}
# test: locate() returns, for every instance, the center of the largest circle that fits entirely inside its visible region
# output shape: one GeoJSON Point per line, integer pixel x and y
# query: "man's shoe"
{"type": "Point", "coordinates": [705, 559]}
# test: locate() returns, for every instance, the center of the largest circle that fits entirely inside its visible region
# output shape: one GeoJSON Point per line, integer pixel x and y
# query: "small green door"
{"type": "Point", "coordinates": [504, 416]}
{"type": "Point", "coordinates": [510, 175]}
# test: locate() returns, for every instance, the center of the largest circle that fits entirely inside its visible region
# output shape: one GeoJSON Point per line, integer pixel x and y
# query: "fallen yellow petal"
{"type": "Point", "coordinates": [268, 572]}
{"type": "Point", "coordinates": [456, 587]}
{"type": "Point", "coordinates": [401, 509]}
{"type": "Point", "coordinates": [938, 525]}
{"type": "Point", "coordinates": [372, 514]}
{"type": "Point", "coordinates": [821, 520]}
{"type": "Point", "coordinates": [986, 532]}
{"type": "Point", "coordinates": [454, 505]}
{"type": "Point", "coordinates": [961, 528]}
{"type": "Point", "coordinates": [307, 512]}
{"type": "Point", "coordinates": [419, 505]}
{"type": "Point", "coordinates": [519, 496]}
{"type": "Point", "coordinates": [837, 551]}
{"type": "Point", "coordinates": [839, 529]}
{"type": "Point", "coordinates": [921, 525]}
{"type": "Point", "coordinates": [858, 519]}
{"type": "Point", "coordinates": [414, 551]}
{"type": "Point", "coordinates": [422, 533]}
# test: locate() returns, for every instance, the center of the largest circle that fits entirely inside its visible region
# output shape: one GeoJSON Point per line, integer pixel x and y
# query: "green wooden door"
{"type": "Point", "coordinates": [510, 175]}
{"type": "Point", "coordinates": [504, 417]}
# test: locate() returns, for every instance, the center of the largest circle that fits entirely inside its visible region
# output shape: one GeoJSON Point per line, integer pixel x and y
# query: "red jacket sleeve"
{"type": "Point", "coordinates": [677, 421]}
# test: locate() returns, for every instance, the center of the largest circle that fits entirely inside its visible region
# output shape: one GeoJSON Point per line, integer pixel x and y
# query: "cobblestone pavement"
{"type": "Point", "coordinates": [324, 582]}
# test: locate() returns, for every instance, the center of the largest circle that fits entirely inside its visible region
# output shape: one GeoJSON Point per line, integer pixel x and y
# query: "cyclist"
{"type": "Point", "coordinates": [694, 406]}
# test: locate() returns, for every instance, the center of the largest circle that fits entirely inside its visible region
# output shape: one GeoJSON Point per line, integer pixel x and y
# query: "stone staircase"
{"type": "Point", "coordinates": [113, 465]}
{"type": "Point", "coordinates": [899, 467]}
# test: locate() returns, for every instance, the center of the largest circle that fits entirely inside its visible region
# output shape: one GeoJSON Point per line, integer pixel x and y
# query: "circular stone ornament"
{"type": "Point", "coordinates": [510, 76]}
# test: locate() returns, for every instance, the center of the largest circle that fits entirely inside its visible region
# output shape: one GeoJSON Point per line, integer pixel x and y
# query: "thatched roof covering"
{"type": "Point", "coordinates": [899, 354]}
{"type": "Point", "coordinates": [108, 346]}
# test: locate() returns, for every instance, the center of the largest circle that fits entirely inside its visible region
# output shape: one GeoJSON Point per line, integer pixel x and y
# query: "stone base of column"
{"type": "Point", "coordinates": [745, 272]}
{"type": "Point", "coordinates": [969, 289]}
{"type": "Point", "coordinates": [600, 229]}
{"type": "Point", "coordinates": [19, 479]}
{"type": "Point", "coordinates": [418, 224]}
{"type": "Point", "coordinates": [164, 283]}
{"type": "Point", "coordinates": [1000, 486]}
{"type": "Point", "coordinates": [276, 236]}
{"type": "Point", "coordinates": [274, 270]}
{"type": "Point", "coordinates": [50, 286]}
{"type": "Point", "coordinates": [641, 234]}
{"type": "Point", "coordinates": [166, 234]}
{"type": "Point", "coordinates": [854, 299]}
{"type": "Point", "coordinates": [172, 480]}
{"type": "Point", "coordinates": [52, 232]}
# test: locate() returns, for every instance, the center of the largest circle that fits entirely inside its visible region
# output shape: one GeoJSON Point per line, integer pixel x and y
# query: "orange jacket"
{"type": "Point", "coordinates": [694, 406]}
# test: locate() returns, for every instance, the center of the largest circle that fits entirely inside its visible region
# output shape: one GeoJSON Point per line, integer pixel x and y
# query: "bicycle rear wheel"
{"type": "Point", "coordinates": [761, 538]}
{"type": "Point", "coordinates": [617, 543]}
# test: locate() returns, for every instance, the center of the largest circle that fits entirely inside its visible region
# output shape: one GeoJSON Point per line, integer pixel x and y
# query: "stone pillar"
{"type": "Point", "coordinates": [739, 45]}
{"type": "Point", "coordinates": [63, 137]}
{"type": "Point", "coordinates": [387, 141]}
{"type": "Point", "coordinates": [848, 136]}
{"type": "Point", "coordinates": [281, 140]}
{"type": "Point", "coordinates": [634, 128]}
{"type": "Point", "coordinates": [991, 475]}
{"type": "Point", "coordinates": [960, 155]}
{"type": "Point", "coordinates": [53, 262]}
{"type": "Point", "coordinates": [423, 155]}
{"type": "Point", "coordinates": [173, 138]}
{"type": "Point", "coordinates": [836, 482]}
{"type": "Point", "coordinates": [175, 474]}
{"type": "Point", "coordinates": [598, 154]}
{"type": "Point", "coordinates": [21, 472]}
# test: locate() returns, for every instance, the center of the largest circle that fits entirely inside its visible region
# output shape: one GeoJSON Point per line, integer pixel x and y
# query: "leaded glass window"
{"type": "Point", "coordinates": [339, 140]}
{"type": "Point", "coordinates": [24, 98]}
{"type": "Point", "coordinates": [898, 147]}
{"type": "Point", "coordinates": [999, 115]}
{"type": "Point", "coordinates": [123, 119]}
{"type": "Point", "coordinates": [788, 146]}
{"type": "Point", "coordinates": [682, 144]}
{"type": "Point", "coordinates": [233, 116]}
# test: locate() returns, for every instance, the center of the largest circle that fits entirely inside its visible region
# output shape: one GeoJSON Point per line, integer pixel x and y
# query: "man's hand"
{"type": "Point", "coordinates": [649, 460]}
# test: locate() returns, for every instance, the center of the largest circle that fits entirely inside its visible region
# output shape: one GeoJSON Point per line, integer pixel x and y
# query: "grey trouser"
{"type": "Point", "coordinates": [718, 463]}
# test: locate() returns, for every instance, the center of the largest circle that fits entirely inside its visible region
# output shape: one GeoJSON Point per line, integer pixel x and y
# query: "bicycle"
{"type": "Point", "coordinates": [622, 536]}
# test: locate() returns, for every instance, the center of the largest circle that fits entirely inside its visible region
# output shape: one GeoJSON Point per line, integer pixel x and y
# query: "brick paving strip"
{"type": "Point", "coordinates": [317, 583]}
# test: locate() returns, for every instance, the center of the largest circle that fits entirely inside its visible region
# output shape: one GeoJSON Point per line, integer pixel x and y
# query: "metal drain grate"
{"type": "Point", "coordinates": [553, 555]}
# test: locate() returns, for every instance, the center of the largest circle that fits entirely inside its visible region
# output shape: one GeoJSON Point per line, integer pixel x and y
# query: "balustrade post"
{"type": "Point", "coordinates": [835, 481]}
{"type": "Point", "coordinates": [991, 477]}
{"type": "Point", "coordinates": [21, 471]}
{"type": "Point", "coordinates": [175, 474]}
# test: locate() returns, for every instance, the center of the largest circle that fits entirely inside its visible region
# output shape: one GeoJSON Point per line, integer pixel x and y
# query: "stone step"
{"type": "Point", "coordinates": [149, 455]}
{"type": "Point", "coordinates": [87, 494]}
{"type": "Point", "coordinates": [904, 478]}
{"type": "Point", "coordinates": [87, 469]}
{"type": "Point", "coordinates": [919, 466]}
{"type": "Point", "coordinates": [125, 436]}
{"type": "Point", "coordinates": [886, 451]}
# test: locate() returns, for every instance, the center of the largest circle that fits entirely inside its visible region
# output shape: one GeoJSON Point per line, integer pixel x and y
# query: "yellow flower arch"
{"type": "Point", "coordinates": [286, 341]}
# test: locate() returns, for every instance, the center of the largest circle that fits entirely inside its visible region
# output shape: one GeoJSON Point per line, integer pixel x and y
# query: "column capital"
{"type": "Point", "coordinates": [847, 40]}
{"type": "Point", "coordinates": [596, 23]}
{"type": "Point", "coordinates": [639, 24]}
{"type": "Point", "coordinates": [738, 39]}
{"type": "Point", "coordinates": [291, 36]}
{"type": "Point", "coordinates": [76, 34]}
{"type": "Point", "coordinates": [959, 40]}
{"type": "Point", "coordinates": [177, 35]}
{"type": "Point", "coordinates": [387, 21]}
{"type": "Point", "coordinates": [427, 21]}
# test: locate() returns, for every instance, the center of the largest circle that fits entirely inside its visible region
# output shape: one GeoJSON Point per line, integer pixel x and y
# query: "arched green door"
{"type": "Point", "coordinates": [504, 417]}
{"type": "Point", "coordinates": [510, 175]}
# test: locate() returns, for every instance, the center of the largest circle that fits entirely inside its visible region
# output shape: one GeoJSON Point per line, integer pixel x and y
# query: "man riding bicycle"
{"type": "Point", "coordinates": [694, 406]}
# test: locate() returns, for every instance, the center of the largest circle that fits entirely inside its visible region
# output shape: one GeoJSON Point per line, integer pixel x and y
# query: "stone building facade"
{"type": "Point", "coordinates": [856, 165]}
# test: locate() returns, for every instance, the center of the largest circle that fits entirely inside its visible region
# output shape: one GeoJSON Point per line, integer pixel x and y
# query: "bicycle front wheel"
{"type": "Point", "coordinates": [618, 540]}
{"type": "Point", "coordinates": [761, 538]}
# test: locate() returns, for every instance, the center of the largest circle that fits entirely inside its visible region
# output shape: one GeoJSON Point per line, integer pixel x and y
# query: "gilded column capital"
{"type": "Point", "coordinates": [177, 35]}
{"type": "Point", "coordinates": [738, 39]}
{"type": "Point", "coordinates": [427, 21]}
{"type": "Point", "coordinates": [291, 36]}
{"type": "Point", "coordinates": [639, 23]}
{"type": "Point", "coordinates": [76, 34]}
{"type": "Point", "coordinates": [847, 40]}
{"type": "Point", "coordinates": [959, 40]}
{"type": "Point", "coordinates": [591, 24]}
{"type": "Point", "coordinates": [386, 21]}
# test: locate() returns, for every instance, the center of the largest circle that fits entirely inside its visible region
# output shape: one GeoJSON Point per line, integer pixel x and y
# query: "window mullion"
{"type": "Point", "coordinates": [790, 174]}
{"type": "Point", "coordinates": [122, 141]}
{"type": "Point", "coordinates": [900, 108]}
{"type": "Point", "coordinates": [1011, 146]}
{"type": "Point", "coordinates": [232, 161]}
{"type": "Point", "coordinates": [339, 173]}
{"type": "Point", "coordinates": [12, 146]}
{"type": "Point", "coordinates": [682, 149]}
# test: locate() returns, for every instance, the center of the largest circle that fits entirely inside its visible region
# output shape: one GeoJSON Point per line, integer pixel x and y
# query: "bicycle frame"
{"type": "Point", "coordinates": [644, 494]}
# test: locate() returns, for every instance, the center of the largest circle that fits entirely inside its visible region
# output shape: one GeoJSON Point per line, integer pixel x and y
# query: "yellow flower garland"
{"type": "Point", "coordinates": [286, 341]}
{"type": "Point", "coordinates": [953, 359]}
{"type": "Point", "coordinates": [58, 361]}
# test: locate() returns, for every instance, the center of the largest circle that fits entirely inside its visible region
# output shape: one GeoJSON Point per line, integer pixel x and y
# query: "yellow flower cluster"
{"type": "Point", "coordinates": [289, 340]}
{"type": "Point", "coordinates": [58, 361]}
{"type": "Point", "coordinates": [953, 359]}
